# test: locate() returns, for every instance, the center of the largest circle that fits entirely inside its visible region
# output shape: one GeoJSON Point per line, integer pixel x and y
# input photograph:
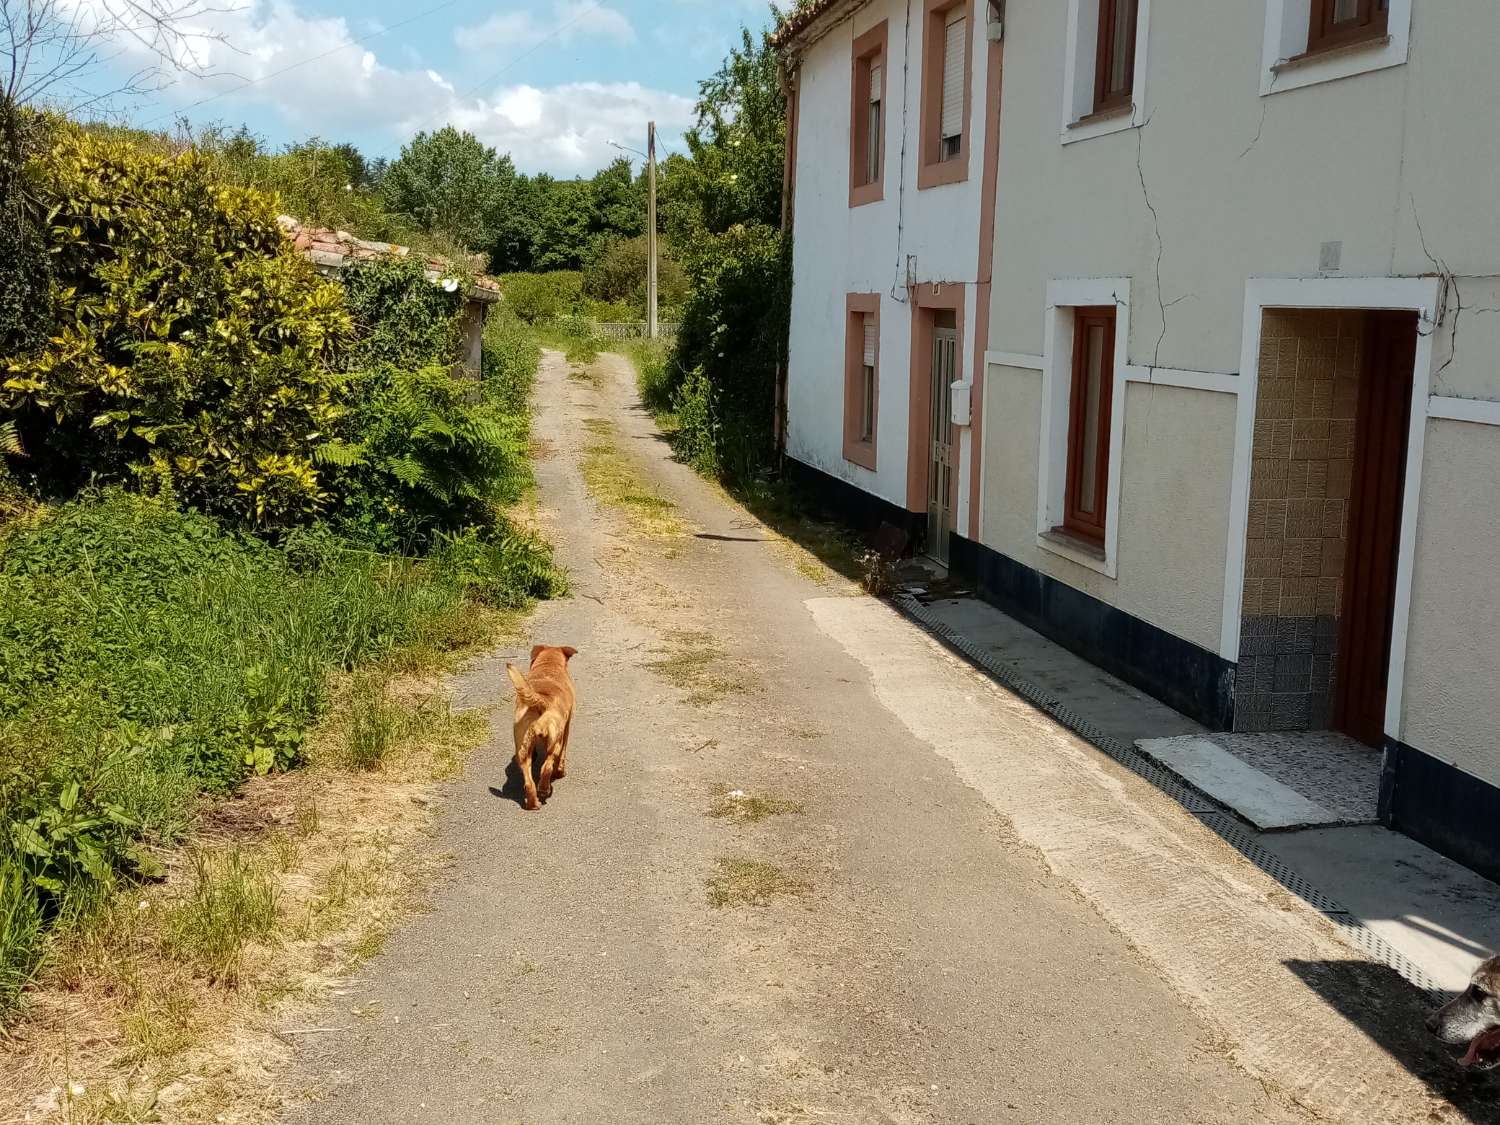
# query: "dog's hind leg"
{"type": "Point", "coordinates": [523, 764]}
{"type": "Point", "coordinates": [562, 754]}
{"type": "Point", "coordinates": [549, 763]}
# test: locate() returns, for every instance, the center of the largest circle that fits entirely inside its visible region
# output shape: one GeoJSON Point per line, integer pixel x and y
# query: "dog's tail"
{"type": "Point", "coordinates": [524, 691]}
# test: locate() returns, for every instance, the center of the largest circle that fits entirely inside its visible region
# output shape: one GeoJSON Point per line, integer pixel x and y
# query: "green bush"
{"type": "Point", "coordinates": [26, 279]}
{"type": "Point", "coordinates": [419, 456]}
{"type": "Point", "coordinates": [511, 355]}
{"type": "Point", "coordinates": [146, 654]}
{"type": "Point", "coordinates": [652, 373]}
{"type": "Point", "coordinates": [722, 375]}
{"type": "Point", "coordinates": [617, 276]}
{"type": "Point", "coordinates": [400, 317]}
{"type": "Point", "coordinates": [190, 344]}
{"type": "Point", "coordinates": [536, 297]}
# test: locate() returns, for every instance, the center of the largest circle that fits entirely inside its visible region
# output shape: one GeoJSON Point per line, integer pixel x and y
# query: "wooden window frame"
{"type": "Point", "coordinates": [868, 49]}
{"type": "Point", "coordinates": [932, 170]}
{"type": "Point", "coordinates": [858, 307]}
{"type": "Point", "coordinates": [1324, 34]}
{"type": "Point", "coordinates": [1111, 12]}
{"type": "Point", "coordinates": [1076, 523]}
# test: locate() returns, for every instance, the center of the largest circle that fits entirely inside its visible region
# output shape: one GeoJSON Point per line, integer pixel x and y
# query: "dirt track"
{"type": "Point", "coordinates": [909, 955]}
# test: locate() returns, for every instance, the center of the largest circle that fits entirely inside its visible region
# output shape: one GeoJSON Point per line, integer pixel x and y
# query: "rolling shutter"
{"type": "Point", "coordinates": [869, 356]}
{"type": "Point", "coordinates": [954, 32]}
{"type": "Point", "coordinates": [875, 73]}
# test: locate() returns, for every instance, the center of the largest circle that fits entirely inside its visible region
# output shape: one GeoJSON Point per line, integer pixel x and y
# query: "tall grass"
{"type": "Point", "coordinates": [147, 655]}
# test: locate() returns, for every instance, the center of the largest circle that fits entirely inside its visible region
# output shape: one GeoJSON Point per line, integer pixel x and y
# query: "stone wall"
{"type": "Point", "coordinates": [1301, 475]}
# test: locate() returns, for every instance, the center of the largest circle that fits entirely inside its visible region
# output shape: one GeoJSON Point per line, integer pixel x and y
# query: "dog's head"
{"type": "Point", "coordinates": [1472, 1018]}
{"type": "Point", "coordinates": [567, 652]}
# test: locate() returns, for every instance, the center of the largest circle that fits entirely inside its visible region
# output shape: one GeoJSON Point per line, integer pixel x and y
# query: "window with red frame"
{"type": "Point", "coordinates": [1088, 422]}
{"type": "Point", "coordinates": [1114, 64]}
{"type": "Point", "coordinates": [1337, 23]}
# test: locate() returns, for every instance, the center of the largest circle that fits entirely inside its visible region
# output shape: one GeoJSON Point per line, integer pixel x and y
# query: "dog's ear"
{"type": "Point", "coordinates": [568, 652]}
{"type": "Point", "coordinates": [537, 650]}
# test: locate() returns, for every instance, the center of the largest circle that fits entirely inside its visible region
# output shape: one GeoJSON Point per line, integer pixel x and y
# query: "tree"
{"type": "Point", "coordinates": [619, 200]}
{"type": "Point", "coordinates": [564, 223]}
{"type": "Point", "coordinates": [450, 183]}
{"type": "Point", "coordinates": [738, 145]}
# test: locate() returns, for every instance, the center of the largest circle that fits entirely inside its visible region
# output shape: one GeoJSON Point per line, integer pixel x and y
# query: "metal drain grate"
{"type": "Point", "coordinates": [1209, 812]}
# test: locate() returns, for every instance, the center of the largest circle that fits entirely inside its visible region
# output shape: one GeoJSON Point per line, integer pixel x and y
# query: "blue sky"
{"type": "Point", "coordinates": [549, 81]}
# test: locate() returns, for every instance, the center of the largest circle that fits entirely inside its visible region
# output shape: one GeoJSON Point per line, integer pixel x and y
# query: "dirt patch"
{"type": "Point", "coordinates": [694, 663]}
{"type": "Point", "coordinates": [749, 808]}
{"type": "Point", "coordinates": [737, 881]}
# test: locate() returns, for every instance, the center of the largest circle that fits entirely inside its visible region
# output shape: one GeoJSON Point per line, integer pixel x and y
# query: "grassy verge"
{"type": "Point", "coordinates": [614, 480]}
{"type": "Point", "coordinates": [572, 335]}
{"type": "Point", "coordinates": [148, 656]}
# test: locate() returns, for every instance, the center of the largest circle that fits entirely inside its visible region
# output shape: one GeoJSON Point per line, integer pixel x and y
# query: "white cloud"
{"type": "Point", "coordinates": [568, 128]}
{"type": "Point", "coordinates": [568, 21]}
{"type": "Point", "coordinates": [563, 129]}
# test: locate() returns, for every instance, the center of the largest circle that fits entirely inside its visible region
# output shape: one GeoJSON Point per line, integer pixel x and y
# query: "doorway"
{"type": "Point", "coordinates": [1382, 419]}
{"type": "Point", "coordinates": [1328, 470]}
{"type": "Point", "coordinates": [943, 371]}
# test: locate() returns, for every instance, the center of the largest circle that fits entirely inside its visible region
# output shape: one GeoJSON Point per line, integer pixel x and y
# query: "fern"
{"type": "Point", "coordinates": [340, 454]}
{"type": "Point", "coordinates": [10, 440]}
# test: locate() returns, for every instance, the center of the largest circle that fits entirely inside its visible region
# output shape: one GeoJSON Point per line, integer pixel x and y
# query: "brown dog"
{"type": "Point", "coordinates": [544, 714]}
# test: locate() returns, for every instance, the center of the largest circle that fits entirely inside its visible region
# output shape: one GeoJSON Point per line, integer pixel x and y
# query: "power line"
{"type": "Point", "coordinates": [304, 62]}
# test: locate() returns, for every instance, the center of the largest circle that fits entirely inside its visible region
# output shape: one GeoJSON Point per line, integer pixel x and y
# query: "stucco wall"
{"type": "Point", "coordinates": [838, 250]}
{"type": "Point", "coordinates": [1248, 186]}
{"type": "Point", "coordinates": [1451, 708]}
{"type": "Point", "coordinates": [1173, 516]}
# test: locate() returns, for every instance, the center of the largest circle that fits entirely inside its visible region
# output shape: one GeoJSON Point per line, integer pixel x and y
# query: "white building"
{"type": "Point", "coordinates": [1232, 428]}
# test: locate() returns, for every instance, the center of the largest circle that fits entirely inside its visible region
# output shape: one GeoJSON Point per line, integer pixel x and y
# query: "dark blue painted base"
{"type": "Point", "coordinates": [1195, 681]}
{"type": "Point", "coordinates": [853, 506]}
{"type": "Point", "coordinates": [1452, 812]}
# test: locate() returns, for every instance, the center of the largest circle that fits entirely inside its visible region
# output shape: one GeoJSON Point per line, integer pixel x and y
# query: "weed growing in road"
{"type": "Point", "coordinates": [749, 808]}
{"type": "Point", "coordinates": [751, 882]}
{"type": "Point", "coordinates": [613, 480]}
{"type": "Point", "coordinates": [696, 664]}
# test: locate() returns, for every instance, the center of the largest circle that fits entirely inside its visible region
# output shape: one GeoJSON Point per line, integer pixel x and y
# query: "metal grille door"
{"type": "Point", "coordinates": [940, 467]}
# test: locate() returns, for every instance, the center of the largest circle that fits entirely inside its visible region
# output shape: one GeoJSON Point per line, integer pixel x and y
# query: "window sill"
{"type": "Point", "coordinates": [1076, 549]}
{"type": "Point", "coordinates": [1341, 50]}
{"type": "Point", "coordinates": [1347, 60]}
{"type": "Point", "coordinates": [1101, 124]}
{"type": "Point", "coordinates": [860, 454]}
{"type": "Point", "coordinates": [938, 173]}
{"type": "Point", "coordinates": [1102, 115]}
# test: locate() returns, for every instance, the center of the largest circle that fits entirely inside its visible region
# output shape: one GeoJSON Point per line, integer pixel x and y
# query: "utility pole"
{"type": "Point", "coordinates": [651, 230]}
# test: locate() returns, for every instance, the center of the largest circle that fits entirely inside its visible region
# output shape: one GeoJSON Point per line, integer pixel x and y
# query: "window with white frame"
{"type": "Point", "coordinates": [1313, 41]}
{"type": "Point", "coordinates": [1083, 380]}
{"type": "Point", "coordinates": [1105, 68]}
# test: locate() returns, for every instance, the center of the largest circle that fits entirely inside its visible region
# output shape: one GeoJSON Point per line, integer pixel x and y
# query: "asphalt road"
{"type": "Point", "coordinates": [909, 960]}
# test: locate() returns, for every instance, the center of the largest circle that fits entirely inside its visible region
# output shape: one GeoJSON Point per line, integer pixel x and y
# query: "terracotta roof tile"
{"type": "Point", "coordinates": [333, 250]}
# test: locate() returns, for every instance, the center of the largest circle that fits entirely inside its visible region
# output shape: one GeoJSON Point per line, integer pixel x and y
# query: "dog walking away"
{"type": "Point", "coordinates": [544, 717]}
{"type": "Point", "coordinates": [1472, 1018]}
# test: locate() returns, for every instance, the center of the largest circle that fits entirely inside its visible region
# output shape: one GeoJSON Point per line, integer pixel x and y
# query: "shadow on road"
{"type": "Point", "coordinates": [1390, 1012]}
{"type": "Point", "coordinates": [512, 790]}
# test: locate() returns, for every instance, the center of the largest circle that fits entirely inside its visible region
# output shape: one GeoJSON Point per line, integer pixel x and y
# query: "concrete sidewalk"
{"type": "Point", "coordinates": [1399, 903]}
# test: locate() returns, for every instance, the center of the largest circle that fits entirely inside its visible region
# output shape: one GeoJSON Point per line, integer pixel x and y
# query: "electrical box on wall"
{"type": "Point", "coordinates": [961, 403]}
